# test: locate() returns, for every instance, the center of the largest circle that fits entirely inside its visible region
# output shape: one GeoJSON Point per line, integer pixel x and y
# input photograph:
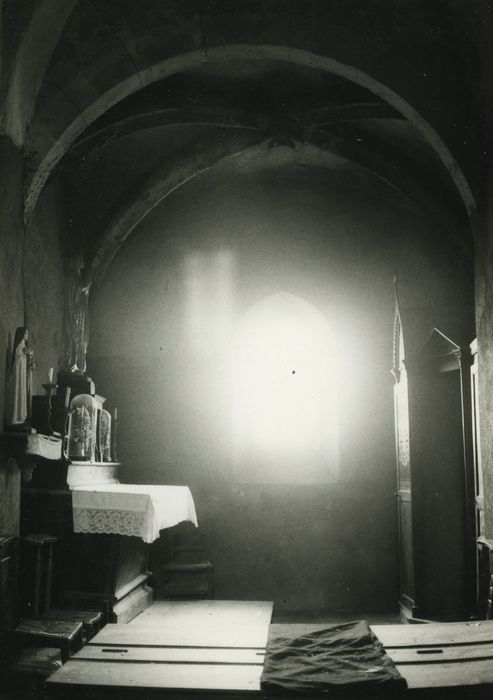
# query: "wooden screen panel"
{"type": "Point", "coordinates": [406, 555]}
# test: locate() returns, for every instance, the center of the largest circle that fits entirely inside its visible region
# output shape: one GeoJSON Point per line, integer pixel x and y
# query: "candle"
{"type": "Point", "coordinates": [115, 413]}
{"type": "Point", "coordinates": [50, 375]}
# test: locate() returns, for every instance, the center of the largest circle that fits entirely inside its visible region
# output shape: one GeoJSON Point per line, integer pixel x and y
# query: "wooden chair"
{"type": "Point", "coordinates": [35, 646]}
{"type": "Point", "coordinates": [37, 577]}
{"type": "Point", "coordinates": [37, 572]}
{"type": "Point", "coordinates": [9, 582]}
{"type": "Point", "coordinates": [189, 573]}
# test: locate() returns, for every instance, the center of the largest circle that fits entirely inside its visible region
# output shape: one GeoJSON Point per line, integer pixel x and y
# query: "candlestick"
{"type": "Point", "coordinates": [113, 434]}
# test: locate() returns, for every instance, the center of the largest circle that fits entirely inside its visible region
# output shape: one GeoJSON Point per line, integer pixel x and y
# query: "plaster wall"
{"type": "Point", "coordinates": [308, 546]}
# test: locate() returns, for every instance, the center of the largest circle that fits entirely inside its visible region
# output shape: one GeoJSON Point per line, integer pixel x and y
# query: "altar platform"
{"type": "Point", "coordinates": [218, 647]}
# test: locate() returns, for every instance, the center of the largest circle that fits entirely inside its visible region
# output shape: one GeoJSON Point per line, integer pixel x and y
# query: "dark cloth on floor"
{"type": "Point", "coordinates": [340, 658]}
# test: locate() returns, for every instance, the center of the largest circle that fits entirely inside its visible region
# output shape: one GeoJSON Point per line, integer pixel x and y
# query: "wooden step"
{"type": "Point", "coordinates": [63, 635]}
{"type": "Point", "coordinates": [132, 604]}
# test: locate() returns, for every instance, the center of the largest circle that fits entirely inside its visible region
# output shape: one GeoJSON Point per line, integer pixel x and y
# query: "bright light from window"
{"type": "Point", "coordinates": [209, 289]}
{"type": "Point", "coordinates": [285, 393]}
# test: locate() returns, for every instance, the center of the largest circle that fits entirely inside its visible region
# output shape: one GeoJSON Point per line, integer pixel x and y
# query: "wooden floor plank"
{"type": "Point", "coordinates": [145, 675]}
{"type": "Point", "coordinates": [443, 654]}
{"type": "Point", "coordinates": [170, 655]}
{"type": "Point", "coordinates": [229, 612]}
{"type": "Point", "coordinates": [395, 636]}
{"type": "Point", "coordinates": [189, 634]}
{"type": "Point", "coordinates": [180, 653]}
{"type": "Point", "coordinates": [447, 675]}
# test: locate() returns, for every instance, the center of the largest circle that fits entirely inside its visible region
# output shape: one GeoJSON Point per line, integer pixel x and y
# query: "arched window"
{"type": "Point", "coordinates": [285, 394]}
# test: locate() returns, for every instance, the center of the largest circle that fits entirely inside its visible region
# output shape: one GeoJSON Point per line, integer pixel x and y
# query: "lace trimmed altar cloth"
{"type": "Point", "coordinates": [141, 510]}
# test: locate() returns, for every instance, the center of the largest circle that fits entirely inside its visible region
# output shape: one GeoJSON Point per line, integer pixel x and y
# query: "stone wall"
{"type": "Point", "coordinates": [187, 276]}
{"type": "Point", "coordinates": [31, 293]}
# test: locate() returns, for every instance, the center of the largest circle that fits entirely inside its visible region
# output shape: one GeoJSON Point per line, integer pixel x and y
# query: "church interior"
{"type": "Point", "coordinates": [247, 332]}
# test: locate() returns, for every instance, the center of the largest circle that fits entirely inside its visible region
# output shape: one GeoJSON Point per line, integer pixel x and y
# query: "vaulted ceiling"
{"type": "Point", "coordinates": [121, 102]}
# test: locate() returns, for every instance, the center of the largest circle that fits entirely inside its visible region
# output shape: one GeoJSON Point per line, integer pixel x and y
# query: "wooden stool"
{"type": "Point", "coordinates": [182, 580]}
{"type": "Point", "coordinates": [92, 620]}
{"type": "Point", "coordinates": [189, 573]}
{"type": "Point", "coordinates": [66, 636]}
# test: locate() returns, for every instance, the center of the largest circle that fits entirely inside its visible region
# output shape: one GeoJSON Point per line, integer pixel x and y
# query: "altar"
{"type": "Point", "coordinates": [104, 530]}
{"type": "Point", "coordinates": [100, 529]}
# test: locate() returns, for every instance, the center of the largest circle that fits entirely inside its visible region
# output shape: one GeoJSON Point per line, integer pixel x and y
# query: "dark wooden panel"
{"type": "Point", "coordinates": [102, 564]}
{"type": "Point", "coordinates": [444, 565]}
{"type": "Point", "coordinates": [406, 552]}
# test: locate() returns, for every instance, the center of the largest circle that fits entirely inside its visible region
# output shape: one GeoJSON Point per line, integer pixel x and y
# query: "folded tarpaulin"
{"type": "Point", "coordinates": [338, 658]}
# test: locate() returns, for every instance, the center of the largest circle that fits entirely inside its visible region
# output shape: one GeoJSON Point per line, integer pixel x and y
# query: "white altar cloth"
{"type": "Point", "coordinates": [141, 510]}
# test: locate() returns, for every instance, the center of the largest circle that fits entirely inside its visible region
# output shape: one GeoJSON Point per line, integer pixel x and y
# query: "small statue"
{"type": "Point", "coordinates": [22, 366]}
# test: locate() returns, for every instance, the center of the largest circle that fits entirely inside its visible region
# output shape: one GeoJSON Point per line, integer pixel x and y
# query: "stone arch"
{"type": "Point", "coordinates": [194, 59]}
{"type": "Point", "coordinates": [33, 55]}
